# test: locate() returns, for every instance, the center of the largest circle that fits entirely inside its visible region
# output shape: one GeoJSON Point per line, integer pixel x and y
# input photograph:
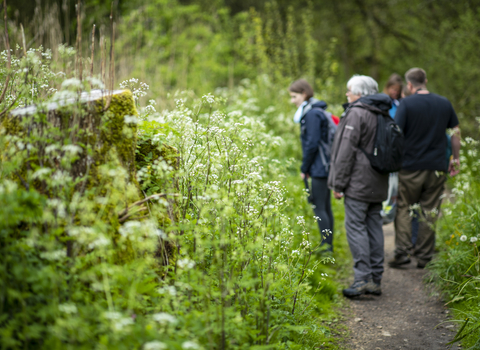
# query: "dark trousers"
{"type": "Point", "coordinates": [363, 224]}
{"type": "Point", "coordinates": [322, 207]}
{"type": "Point", "coordinates": [424, 187]}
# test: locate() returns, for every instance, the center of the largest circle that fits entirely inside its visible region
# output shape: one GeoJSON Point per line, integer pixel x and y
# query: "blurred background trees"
{"type": "Point", "coordinates": [201, 45]}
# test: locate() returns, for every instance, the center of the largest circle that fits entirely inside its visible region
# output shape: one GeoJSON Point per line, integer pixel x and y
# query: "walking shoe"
{"type": "Point", "coordinates": [357, 288]}
{"type": "Point", "coordinates": [398, 261]}
{"type": "Point", "coordinates": [374, 288]}
{"type": "Point", "coordinates": [422, 263]}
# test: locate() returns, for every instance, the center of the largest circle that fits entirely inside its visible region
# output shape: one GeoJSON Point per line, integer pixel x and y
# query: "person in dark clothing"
{"type": "Point", "coordinates": [424, 117]}
{"type": "Point", "coordinates": [314, 127]}
{"type": "Point", "coordinates": [352, 176]}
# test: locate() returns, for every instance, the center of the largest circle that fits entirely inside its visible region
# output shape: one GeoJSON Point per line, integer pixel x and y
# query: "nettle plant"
{"type": "Point", "coordinates": [191, 249]}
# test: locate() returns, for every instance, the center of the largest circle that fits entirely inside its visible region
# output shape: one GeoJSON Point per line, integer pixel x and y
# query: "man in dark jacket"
{"type": "Point", "coordinates": [314, 127]}
{"type": "Point", "coordinates": [352, 176]}
{"type": "Point", "coordinates": [424, 118]}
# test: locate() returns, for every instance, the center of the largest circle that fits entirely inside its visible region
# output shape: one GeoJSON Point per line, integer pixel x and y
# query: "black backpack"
{"type": "Point", "coordinates": [387, 152]}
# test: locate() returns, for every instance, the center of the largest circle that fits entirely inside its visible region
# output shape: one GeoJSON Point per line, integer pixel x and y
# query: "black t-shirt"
{"type": "Point", "coordinates": [424, 118]}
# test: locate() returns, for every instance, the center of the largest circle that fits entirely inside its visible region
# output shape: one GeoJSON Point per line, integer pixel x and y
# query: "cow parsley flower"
{"type": "Point", "coordinates": [72, 82]}
{"type": "Point", "coordinates": [186, 264]}
{"type": "Point", "coordinates": [68, 308]}
{"type": "Point", "coordinates": [164, 318]}
{"type": "Point", "coordinates": [190, 345]}
{"type": "Point", "coordinates": [154, 345]}
{"type": "Point", "coordinates": [300, 220]}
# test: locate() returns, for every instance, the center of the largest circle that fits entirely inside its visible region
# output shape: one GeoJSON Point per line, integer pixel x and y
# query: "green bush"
{"type": "Point", "coordinates": [221, 255]}
{"type": "Point", "coordinates": [457, 267]}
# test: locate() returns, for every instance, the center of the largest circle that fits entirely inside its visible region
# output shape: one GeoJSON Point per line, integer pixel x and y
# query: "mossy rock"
{"type": "Point", "coordinates": [85, 123]}
{"type": "Point", "coordinates": [105, 135]}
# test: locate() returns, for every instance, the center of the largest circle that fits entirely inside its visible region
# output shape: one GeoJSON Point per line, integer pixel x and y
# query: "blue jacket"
{"type": "Point", "coordinates": [313, 126]}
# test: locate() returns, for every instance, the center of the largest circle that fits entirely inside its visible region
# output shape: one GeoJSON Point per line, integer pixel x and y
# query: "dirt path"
{"type": "Point", "coordinates": [404, 317]}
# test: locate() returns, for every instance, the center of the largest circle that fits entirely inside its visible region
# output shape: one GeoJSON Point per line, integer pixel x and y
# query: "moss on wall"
{"type": "Point", "coordinates": [107, 136]}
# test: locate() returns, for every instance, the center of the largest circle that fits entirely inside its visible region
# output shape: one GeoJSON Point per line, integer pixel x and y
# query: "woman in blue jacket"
{"type": "Point", "coordinates": [314, 127]}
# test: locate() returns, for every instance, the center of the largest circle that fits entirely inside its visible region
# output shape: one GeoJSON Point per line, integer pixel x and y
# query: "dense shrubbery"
{"type": "Point", "coordinates": [222, 258]}
{"type": "Point", "coordinates": [457, 268]}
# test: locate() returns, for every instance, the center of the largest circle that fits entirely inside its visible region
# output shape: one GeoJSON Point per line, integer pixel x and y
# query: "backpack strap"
{"type": "Point", "coordinates": [328, 116]}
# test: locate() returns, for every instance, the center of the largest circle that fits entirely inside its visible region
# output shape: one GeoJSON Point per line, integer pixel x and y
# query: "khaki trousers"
{"type": "Point", "coordinates": [423, 187]}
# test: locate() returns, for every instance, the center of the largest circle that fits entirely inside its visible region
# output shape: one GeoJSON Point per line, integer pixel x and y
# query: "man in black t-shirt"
{"type": "Point", "coordinates": [424, 118]}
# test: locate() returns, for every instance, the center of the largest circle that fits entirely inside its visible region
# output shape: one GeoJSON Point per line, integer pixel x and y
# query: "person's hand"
{"type": "Point", "coordinates": [337, 195]}
{"type": "Point", "coordinates": [454, 167]}
{"type": "Point", "coordinates": [304, 176]}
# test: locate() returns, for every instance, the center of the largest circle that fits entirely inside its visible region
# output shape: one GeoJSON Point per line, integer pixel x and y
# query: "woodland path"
{"type": "Point", "coordinates": [404, 316]}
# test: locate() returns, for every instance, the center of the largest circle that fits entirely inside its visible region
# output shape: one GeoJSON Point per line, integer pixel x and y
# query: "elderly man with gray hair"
{"type": "Point", "coordinates": [351, 176]}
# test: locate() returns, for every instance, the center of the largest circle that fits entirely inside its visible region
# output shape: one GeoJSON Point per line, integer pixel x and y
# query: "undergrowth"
{"type": "Point", "coordinates": [456, 269]}
{"type": "Point", "coordinates": [221, 252]}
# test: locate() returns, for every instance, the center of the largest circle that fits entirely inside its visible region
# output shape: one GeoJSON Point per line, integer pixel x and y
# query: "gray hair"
{"type": "Point", "coordinates": [362, 85]}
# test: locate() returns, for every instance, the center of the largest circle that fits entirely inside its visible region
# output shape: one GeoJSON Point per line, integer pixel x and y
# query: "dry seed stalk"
{"type": "Point", "coordinates": [93, 51]}
{"type": "Point", "coordinates": [112, 66]}
{"type": "Point", "coordinates": [23, 40]}
{"type": "Point", "coordinates": [79, 42]}
{"type": "Point", "coordinates": [7, 46]}
{"type": "Point", "coordinates": [103, 58]}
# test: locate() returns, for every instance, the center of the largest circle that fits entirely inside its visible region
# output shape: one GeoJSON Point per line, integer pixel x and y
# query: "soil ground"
{"type": "Point", "coordinates": [405, 316]}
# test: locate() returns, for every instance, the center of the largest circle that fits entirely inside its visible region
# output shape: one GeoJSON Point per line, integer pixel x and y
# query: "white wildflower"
{"type": "Point", "coordinates": [68, 308]}
{"type": "Point", "coordinates": [129, 227]}
{"type": "Point", "coordinates": [154, 345]}
{"type": "Point", "coordinates": [167, 289]}
{"type": "Point", "coordinates": [164, 318]}
{"type": "Point", "coordinates": [473, 239]}
{"type": "Point", "coordinates": [41, 173]}
{"type": "Point", "coordinates": [300, 220]}
{"type": "Point", "coordinates": [72, 82]}
{"type": "Point", "coordinates": [190, 345]}
{"type": "Point", "coordinates": [208, 98]}
{"type": "Point", "coordinates": [130, 119]}
{"type": "Point", "coordinates": [463, 238]}
{"type": "Point", "coordinates": [54, 256]}
{"type": "Point", "coordinates": [118, 325]}
{"type": "Point", "coordinates": [112, 315]}
{"type": "Point", "coordinates": [72, 149]}
{"type": "Point", "coordinates": [96, 82]}
{"type": "Point", "coordinates": [150, 109]}
{"type": "Point", "coordinates": [102, 241]}
{"type": "Point", "coordinates": [186, 263]}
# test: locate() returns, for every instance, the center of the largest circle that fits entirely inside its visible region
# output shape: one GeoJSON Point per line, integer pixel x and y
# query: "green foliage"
{"type": "Point", "coordinates": [220, 254]}
{"type": "Point", "coordinates": [457, 268]}
{"type": "Point", "coordinates": [201, 45]}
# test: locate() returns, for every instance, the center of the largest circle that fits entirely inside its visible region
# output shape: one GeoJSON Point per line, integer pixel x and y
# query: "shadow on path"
{"type": "Point", "coordinates": [404, 316]}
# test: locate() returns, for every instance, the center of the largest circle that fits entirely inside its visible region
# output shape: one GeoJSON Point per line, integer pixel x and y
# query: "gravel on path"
{"type": "Point", "coordinates": [405, 316]}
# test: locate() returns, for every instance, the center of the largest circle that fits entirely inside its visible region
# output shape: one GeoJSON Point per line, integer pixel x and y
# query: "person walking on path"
{"type": "Point", "coordinates": [393, 88]}
{"type": "Point", "coordinates": [351, 176]}
{"type": "Point", "coordinates": [314, 127]}
{"type": "Point", "coordinates": [424, 118]}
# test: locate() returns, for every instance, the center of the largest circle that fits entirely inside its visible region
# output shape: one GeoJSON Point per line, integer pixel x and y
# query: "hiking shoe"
{"type": "Point", "coordinates": [398, 261]}
{"type": "Point", "coordinates": [422, 263]}
{"type": "Point", "coordinates": [357, 288]}
{"type": "Point", "coordinates": [374, 288]}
